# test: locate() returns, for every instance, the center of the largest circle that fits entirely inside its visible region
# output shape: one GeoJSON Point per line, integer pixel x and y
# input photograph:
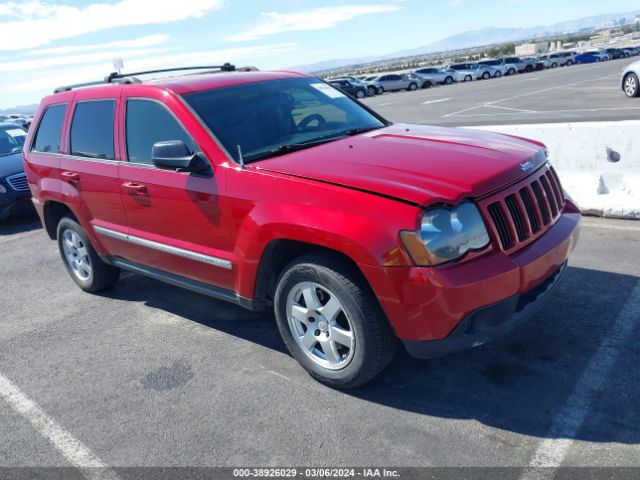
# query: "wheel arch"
{"type": "Point", "coordinates": [53, 212]}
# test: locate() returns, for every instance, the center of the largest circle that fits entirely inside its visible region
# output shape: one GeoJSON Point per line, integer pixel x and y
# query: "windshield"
{"type": "Point", "coordinates": [259, 119]}
{"type": "Point", "coordinates": [11, 140]}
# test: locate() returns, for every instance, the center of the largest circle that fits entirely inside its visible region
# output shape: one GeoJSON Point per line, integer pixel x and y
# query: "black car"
{"type": "Point", "coordinates": [614, 53]}
{"type": "Point", "coordinates": [357, 91]}
{"type": "Point", "coordinates": [15, 196]}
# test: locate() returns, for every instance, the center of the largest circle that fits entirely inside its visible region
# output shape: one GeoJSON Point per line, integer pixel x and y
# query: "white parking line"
{"type": "Point", "coordinates": [551, 452]}
{"type": "Point", "coordinates": [91, 467]}
{"type": "Point", "coordinates": [436, 101]}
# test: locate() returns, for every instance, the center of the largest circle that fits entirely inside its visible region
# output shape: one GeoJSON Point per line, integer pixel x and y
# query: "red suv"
{"type": "Point", "coordinates": [274, 188]}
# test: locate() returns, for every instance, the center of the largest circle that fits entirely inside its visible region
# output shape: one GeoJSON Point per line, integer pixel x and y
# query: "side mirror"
{"type": "Point", "coordinates": [174, 155]}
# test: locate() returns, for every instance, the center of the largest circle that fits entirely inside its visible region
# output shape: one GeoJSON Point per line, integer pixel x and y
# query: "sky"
{"type": "Point", "coordinates": [48, 43]}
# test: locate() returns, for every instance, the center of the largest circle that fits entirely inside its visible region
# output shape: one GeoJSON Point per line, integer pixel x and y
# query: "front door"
{"type": "Point", "coordinates": [175, 219]}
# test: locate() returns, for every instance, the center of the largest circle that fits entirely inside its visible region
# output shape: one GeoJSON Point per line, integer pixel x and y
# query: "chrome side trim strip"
{"type": "Point", "coordinates": [180, 252]}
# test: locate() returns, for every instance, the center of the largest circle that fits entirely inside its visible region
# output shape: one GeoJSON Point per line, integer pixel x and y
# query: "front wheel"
{"type": "Point", "coordinates": [448, 80]}
{"type": "Point", "coordinates": [84, 265]}
{"type": "Point", "coordinates": [486, 75]}
{"type": "Point", "coordinates": [498, 74]}
{"type": "Point", "coordinates": [569, 63]}
{"type": "Point", "coordinates": [331, 322]}
{"type": "Point", "coordinates": [511, 71]}
{"type": "Point", "coordinates": [380, 90]}
{"type": "Point", "coordinates": [468, 78]}
{"type": "Point", "coordinates": [371, 90]}
{"type": "Point", "coordinates": [412, 87]}
{"type": "Point", "coordinates": [631, 87]}
{"type": "Point", "coordinates": [426, 84]}
{"type": "Point", "coordinates": [360, 94]}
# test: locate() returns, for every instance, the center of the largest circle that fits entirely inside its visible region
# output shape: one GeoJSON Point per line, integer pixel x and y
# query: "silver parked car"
{"type": "Point", "coordinates": [392, 82]}
{"type": "Point", "coordinates": [631, 80]}
{"type": "Point", "coordinates": [435, 75]}
{"type": "Point", "coordinates": [498, 66]}
{"type": "Point", "coordinates": [471, 71]}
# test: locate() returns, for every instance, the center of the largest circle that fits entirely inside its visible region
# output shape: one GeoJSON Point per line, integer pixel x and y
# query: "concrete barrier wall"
{"type": "Point", "coordinates": [598, 162]}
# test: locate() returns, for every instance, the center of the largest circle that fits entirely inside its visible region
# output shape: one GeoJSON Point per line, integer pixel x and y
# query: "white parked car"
{"type": "Point", "coordinates": [435, 75]}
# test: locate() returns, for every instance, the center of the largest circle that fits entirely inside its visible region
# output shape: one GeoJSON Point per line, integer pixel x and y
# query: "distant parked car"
{"type": "Point", "coordinates": [353, 89]}
{"type": "Point", "coordinates": [371, 80]}
{"type": "Point", "coordinates": [560, 59]}
{"type": "Point", "coordinates": [614, 53]}
{"type": "Point", "coordinates": [539, 63]}
{"type": "Point", "coordinates": [435, 75]}
{"type": "Point", "coordinates": [370, 88]}
{"type": "Point", "coordinates": [630, 80]}
{"type": "Point", "coordinates": [392, 82]}
{"type": "Point", "coordinates": [15, 196]}
{"type": "Point", "coordinates": [498, 66]}
{"type": "Point", "coordinates": [591, 57]}
{"type": "Point", "coordinates": [465, 72]}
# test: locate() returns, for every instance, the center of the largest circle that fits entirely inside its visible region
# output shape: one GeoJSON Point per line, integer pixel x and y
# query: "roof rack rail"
{"type": "Point", "coordinates": [116, 77]}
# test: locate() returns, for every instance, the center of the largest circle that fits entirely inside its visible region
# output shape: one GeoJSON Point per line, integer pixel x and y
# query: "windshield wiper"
{"type": "Point", "coordinates": [288, 148]}
{"type": "Point", "coordinates": [357, 131]}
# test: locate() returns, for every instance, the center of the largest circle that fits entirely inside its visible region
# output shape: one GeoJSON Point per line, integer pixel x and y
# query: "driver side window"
{"type": "Point", "coordinates": [148, 122]}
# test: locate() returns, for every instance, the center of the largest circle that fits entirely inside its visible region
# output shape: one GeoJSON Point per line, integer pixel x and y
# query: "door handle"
{"type": "Point", "coordinates": [135, 187]}
{"type": "Point", "coordinates": [70, 177]}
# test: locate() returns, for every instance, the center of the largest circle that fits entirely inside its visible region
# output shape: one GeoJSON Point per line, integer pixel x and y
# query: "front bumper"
{"type": "Point", "coordinates": [15, 204]}
{"type": "Point", "coordinates": [488, 323]}
{"type": "Point", "coordinates": [430, 304]}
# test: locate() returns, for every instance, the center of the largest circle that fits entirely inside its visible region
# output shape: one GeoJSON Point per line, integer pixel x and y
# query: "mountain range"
{"type": "Point", "coordinates": [475, 38]}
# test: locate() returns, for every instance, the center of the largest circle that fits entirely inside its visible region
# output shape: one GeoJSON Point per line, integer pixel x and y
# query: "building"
{"type": "Point", "coordinates": [530, 49]}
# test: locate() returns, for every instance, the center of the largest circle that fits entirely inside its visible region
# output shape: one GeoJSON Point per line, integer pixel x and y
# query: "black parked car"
{"type": "Point", "coordinates": [357, 91]}
{"type": "Point", "coordinates": [15, 196]}
{"type": "Point", "coordinates": [614, 53]}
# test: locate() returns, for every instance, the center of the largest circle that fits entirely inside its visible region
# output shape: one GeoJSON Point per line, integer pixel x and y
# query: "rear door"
{"type": "Point", "coordinates": [89, 169]}
{"type": "Point", "coordinates": [175, 219]}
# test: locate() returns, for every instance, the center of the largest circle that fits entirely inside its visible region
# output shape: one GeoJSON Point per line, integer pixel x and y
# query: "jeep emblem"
{"type": "Point", "coordinates": [526, 166]}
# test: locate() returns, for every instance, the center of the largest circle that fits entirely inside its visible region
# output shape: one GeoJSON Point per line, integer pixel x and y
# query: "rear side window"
{"type": "Point", "coordinates": [47, 138]}
{"type": "Point", "coordinates": [92, 129]}
{"type": "Point", "coordinates": [149, 122]}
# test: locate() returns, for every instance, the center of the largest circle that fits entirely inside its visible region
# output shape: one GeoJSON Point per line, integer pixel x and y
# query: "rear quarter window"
{"type": "Point", "coordinates": [47, 137]}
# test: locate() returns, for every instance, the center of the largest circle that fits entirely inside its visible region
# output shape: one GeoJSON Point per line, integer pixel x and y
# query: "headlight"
{"type": "Point", "coordinates": [2, 189]}
{"type": "Point", "coordinates": [446, 233]}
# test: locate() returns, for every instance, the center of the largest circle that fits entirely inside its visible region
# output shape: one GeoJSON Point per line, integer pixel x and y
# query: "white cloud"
{"type": "Point", "coordinates": [49, 80]}
{"type": "Point", "coordinates": [318, 18]}
{"type": "Point", "coordinates": [141, 42]}
{"type": "Point", "coordinates": [37, 22]}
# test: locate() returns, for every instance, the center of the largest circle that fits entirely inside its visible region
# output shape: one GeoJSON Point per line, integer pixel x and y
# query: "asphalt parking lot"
{"type": "Point", "coordinates": [578, 93]}
{"type": "Point", "coordinates": [147, 374]}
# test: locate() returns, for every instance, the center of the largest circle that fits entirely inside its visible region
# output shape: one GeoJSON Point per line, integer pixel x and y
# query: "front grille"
{"type": "Point", "coordinates": [521, 213]}
{"type": "Point", "coordinates": [18, 182]}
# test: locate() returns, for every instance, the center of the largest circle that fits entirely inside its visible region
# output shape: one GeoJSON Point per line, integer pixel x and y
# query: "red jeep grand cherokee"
{"type": "Point", "coordinates": [273, 188]}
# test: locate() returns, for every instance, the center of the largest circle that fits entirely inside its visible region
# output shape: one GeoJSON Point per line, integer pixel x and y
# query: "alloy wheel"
{"type": "Point", "coordinates": [631, 86]}
{"type": "Point", "coordinates": [76, 254]}
{"type": "Point", "coordinates": [320, 326]}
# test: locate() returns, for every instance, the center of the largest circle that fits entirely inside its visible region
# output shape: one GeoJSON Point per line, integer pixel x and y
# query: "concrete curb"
{"type": "Point", "coordinates": [598, 162]}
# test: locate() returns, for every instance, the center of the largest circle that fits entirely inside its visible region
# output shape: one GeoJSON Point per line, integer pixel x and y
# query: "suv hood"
{"type": "Point", "coordinates": [417, 164]}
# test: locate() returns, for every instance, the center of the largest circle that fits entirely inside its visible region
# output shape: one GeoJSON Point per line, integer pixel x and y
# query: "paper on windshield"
{"type": "Point", "coordinates": [16, 132]}
{"type": "Point", "coordinates": [327, 90]}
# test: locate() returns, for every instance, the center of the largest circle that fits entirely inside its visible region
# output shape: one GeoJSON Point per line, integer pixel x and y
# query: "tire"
{"type": "Point", "coordinates": [326, 279]}
{"type": "Point", "coordinates": [498, 74]}
{"type": "Point", "coordinates": [486, 75]}
{"type": "Point", "coordinates": [412, 86]}
{"type": "Point", "coordinates": [448, 80]}
{"type": "Point", "coordinates": [360, 93]}
{"type": "Point", "coordinates": [426, 84]}
{"type": "Point", "coordinates": [554, 65]}
{"type": "Point", "coordinates": [82, 262]}
{"type": "Point", "coordinates": [468, 78]}
{"type": "Point", "coordinates": [511, 71]}
{"type": "Point", "coordinates": [380, 90]}
{"type": "Point", "coordinates": [371, 90]}
{"type": "Point", "coordinates": [631, 85]}
{"type": "Point", "coordinates": [569, 63]}
{"type": "Point", "coordinates": [528, 68]}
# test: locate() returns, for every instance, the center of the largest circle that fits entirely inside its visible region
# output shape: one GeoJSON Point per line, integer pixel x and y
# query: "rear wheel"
{"type": "Point", "coordinates": [380, 90]}
{"type": "Point", "coordinates": [498, 74]}
{"type": "Point", "coordinates": [569, 63]}
{"type": "Point", "coordinates": [448, 80]}
{"type": "Point", "coordinates": [412, 86]}
{"type": "Point", "coordinates": [511, 71]}
{"type": "Point", "coordinates": [426, 84]}
{"type": "Point", "coordinates": [331, 322]}
{"type": "Point", "coordinates": [631, 87]}
{"type": "Point", "coordinates": [372, 90]}
{"type": "Point", "coordinates": [529, 68]}
{"type": "Point", "coordinates": [84, 265]}
{"type": "Point", "coordinates": [486, 75]}
{"type": "Point", "coordinates": [360, 93]}
{"type": "Point", "coordinates": [554, 65]}
{"type": "Point", "coordinates": [468, 78]}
